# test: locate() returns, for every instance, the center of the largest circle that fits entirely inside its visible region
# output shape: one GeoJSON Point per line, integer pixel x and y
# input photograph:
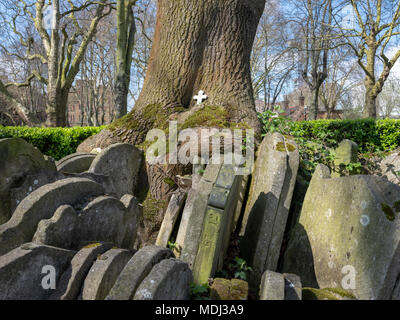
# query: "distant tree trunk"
{"type": "Point", "coordinates": [199, 45]}
{"type": "Point", "coordinates": [125, 44]}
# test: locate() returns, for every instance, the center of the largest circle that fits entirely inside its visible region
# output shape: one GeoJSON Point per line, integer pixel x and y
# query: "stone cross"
{"type": "Point", "coordinates": [200, 97]}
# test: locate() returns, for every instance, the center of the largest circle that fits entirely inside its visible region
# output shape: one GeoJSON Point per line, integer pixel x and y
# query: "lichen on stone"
{"type": "Point", "coordinates": [389, 213]}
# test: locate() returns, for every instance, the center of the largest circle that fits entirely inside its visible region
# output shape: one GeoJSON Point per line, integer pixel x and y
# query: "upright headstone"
{"type": "Point", "coordinates": [348, 235]}
{"type": "Point", "coordinates": [268, 204]}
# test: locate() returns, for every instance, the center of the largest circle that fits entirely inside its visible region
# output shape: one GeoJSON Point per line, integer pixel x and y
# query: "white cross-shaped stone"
{"type": "Point", "coordinates": [200, 97]}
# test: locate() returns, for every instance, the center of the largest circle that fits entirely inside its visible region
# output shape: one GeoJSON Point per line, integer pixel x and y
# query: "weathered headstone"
{"type": "Point", "coordinates": [103, 219]}
{"type": "Point", "coordinates": [23, 271]}
{"type": "Point", "coordinates": [268, 205]}
{"type": "Point", "coordinates": [121, 162]}
{"type": "Point", "coordinates": [41, 204]}
{"type": "Point", "coordinates": [191, 225]}
{"type": "Point", "coordinates": [348, 235]}
{"type": "Point", "coordinates": [272, 286]}
{"type": "Point", "coordinates": [346, 152]}
{"type": "Point", "coordinates": [75, 163]}
{"type": "Point", "coordinates": [224, 289]}
{"type": "Point", "coordinates": [58, 231]}
{"type": "Point", "coordinates": [168, 280]}
{"type": "Point", "coordinates": [171, 215]}
{"type": "Point", "coordinates": [217, 225]}
{"type": "Point", "coordinates": [71, 281]}
{"type": "Point", "coordinates": [104, 273]}
{"type": "Point", "coordinates": [136, 270]}
{"type": "Point", "coordinates": [134, 211]}
{"type": "Point", "coordinates": [390, 166]}
{"type": "Point", "coordinates": [18, 158]}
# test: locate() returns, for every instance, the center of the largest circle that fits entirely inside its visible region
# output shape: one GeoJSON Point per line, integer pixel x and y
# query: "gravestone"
{"type": "Point", "coordinates": [272, 286]}
{"type": "Point", "coordinates": [104, 273]}
{"type": "Point", "coordinates": [191, 224]}
{"type": "Point", "coordinates": [174, 208]}
{"type": "Point", "coordinates": [103, 219]}
{"type": "Point", "coordinates": [71, 281]}
{"type": "Point", "coordinates": [224, 289]}
{"type": "Point", "coordinates": [268, 204]}
{"type": "Point", "coordinates": [168, 280]}
{"type": "Point", "coordinates": [18, 158]}
{"type": "Point", "coordinates": [293, 287]}
{"type": "Point", "coordinates": [21, 276]}
{"type": "Point", "coordinates": [217, 226]}
{"type": "Point", "coordinates": [390, 166]}
{"type": "Point", "coordinates": [75, 163]}
{"type": "Point", "coordinates": [41, 204]}
{"type": "Point", "coordinates": [346, 152]}
{"type": "Point", "coordinates": [134, 212]}
{"type": "Point", "coordinates": [348, 235]}
{"type": "Point", "coordinates": [136, 270]}
{"type": "Point", "coordinates": [58, 231]}
{"type": "Point", "coordinates": [122, 163]}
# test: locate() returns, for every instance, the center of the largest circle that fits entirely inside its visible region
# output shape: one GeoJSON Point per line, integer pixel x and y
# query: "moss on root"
{"type": "Point", "coordinates": [326, 294]}
{"type": "Point", "coordinates": [152, 207]}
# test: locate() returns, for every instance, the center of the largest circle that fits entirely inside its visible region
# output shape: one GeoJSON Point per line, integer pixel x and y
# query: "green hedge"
{"type": "Point", "coordinates": [371, 135]}
{"type": "Point", "coordinates": [54, 142]}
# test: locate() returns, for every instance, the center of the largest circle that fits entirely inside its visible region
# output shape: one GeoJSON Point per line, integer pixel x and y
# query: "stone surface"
{"type": "Point", "coordinates": [41, 204]}
{"type": "Point", "coordinates": [191, 224]}
{"type": "Point", "coordinates": [122, 163]}
{"type": "Point", "coordinates": [348, 226]}
{"type": "Point", "coordinates": [168, 280]}
{"type": "Point", "coordinates": [224, 289]}
{"type": "Point", "coordinates": [272, 286]}
{"type": "Point", "coordinates": [21, 271]}
{"type": "Point", "coordinates": [104, 273]}
{"type": "Point", "coordinates": [59, 230]}
{"type": "Point", "coordinates": [218, 224]}
{"type": "Point", "coordinates": [136, 270]}
{"type": "Point", "coordinates": [75, 163]}
{"type": "Point", "coordinates": [103, 219]}
{"type": "Point", "coordinates": [390, 167]}
{"type": "Point", "coordinates": [18, 158]}
{"type": "Point", "coordinates": [134, 212]}
{"type": "Point", "coordinates": [293, 287]}
{"type": "Point", "coordinates": [71, 281]}
{"type": "Point", "coordinates": [268, 204]}
{"type": "Point", "coordinates": [346, 152]}
{"type": "Point", "coordinates": [174, 208]}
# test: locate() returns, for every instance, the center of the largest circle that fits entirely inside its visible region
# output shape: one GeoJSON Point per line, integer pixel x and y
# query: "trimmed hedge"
{"type": "Point", "coordinates": [371, 135]}
{"type": "Point", "coordinates": [54, 142]}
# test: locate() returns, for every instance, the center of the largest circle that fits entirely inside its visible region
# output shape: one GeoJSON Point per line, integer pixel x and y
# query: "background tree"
{"type": "Point", "coordinates": [371, 34]}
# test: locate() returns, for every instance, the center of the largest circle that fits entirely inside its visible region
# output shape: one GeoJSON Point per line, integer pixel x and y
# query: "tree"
{"type": "Point", "coordinates": [314, 19]}
{"type": "Point", "coordinates": [198, 45]}
{"type": "Point", "coordinates": [125, 43]}
{"type": "Point", "coordinates": [64, 47]}
{"type": "Point", "coordinates": [371, 37]}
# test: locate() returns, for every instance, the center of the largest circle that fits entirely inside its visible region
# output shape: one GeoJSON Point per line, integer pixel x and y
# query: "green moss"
{"type": "Point", "coordinates": [152, 207]}
{"type": "Point", "coordinates": [326, 294]}
{"type": "Point", "coordinates": [341, 292]}
{"type": "Point", "coordinates": [280, 146]}
{"type": "Point", "coordinates": [92, 245]}
{"type": "Point", "coordinates": [388, 211]}
{"type": "Point", "coordinates": [170, 182]}
{"type": "Point", "coordinates": [317, 294]}
{"type": "Point", "coordinates": [396, 206]}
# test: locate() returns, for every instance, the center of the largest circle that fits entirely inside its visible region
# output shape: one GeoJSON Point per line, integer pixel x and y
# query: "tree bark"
{"type": "Point", "coordinates": [199, 45]}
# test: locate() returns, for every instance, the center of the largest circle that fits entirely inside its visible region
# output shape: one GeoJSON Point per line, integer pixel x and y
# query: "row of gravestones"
{"type": "Point", "coordinates": [77, 219]}
{"type": "Point", "coordinates": [348, 222]}
{"type": "Point", "coordinates": [345, 243]}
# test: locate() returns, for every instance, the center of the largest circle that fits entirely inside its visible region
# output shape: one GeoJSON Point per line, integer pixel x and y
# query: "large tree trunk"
{"type": "Point", "coordinates": [198, 45]}
{"type": "Point", "coordinates": [57, 102]}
